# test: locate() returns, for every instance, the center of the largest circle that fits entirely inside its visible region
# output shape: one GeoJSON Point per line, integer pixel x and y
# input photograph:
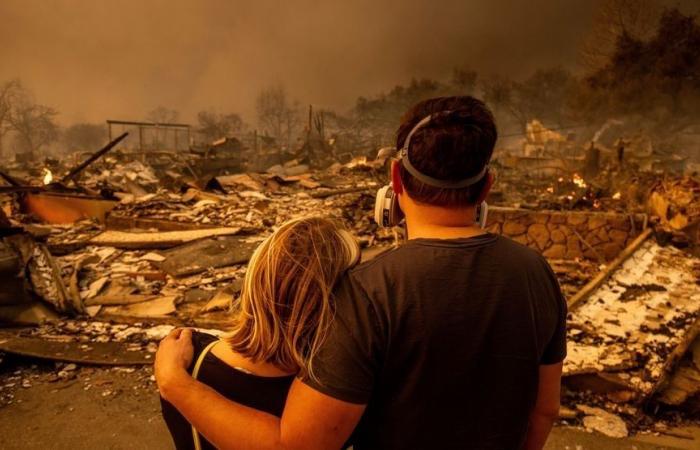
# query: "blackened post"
{"type": "Point", "coordinates": [73, 173]}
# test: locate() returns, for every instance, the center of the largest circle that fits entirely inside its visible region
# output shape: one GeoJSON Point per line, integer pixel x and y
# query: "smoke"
{"type": "Point", "coordinates": [99, 60]}
{"type": "Point", "coordinates": [605, 126]}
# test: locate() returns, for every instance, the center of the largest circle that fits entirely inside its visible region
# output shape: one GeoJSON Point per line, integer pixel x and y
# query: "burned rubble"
{"type": "Point", "coordinates": [106, 261]}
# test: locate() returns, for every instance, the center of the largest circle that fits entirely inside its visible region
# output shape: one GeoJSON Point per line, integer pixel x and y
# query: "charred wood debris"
{"type": "Point", "coordinates": [101, 255]}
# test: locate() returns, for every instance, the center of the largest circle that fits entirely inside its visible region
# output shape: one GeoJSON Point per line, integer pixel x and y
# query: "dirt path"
{"type": "Point", "coordinates": [95, 408]}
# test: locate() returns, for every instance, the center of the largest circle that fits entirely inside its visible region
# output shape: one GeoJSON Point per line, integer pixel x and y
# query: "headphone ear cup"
{"type": "Point", "coordinates": [482, 215]}
{"type": "Point", "coordinates": [387, 212]}
{"type": "Point", "coordinates": [396, 213]}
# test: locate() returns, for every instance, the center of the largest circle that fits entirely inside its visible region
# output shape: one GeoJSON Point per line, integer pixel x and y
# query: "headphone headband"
{"type": "Point", "coordinates": [444, 184]}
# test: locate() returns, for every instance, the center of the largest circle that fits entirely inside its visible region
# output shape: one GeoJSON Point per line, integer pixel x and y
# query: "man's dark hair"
{"type": "Point", "coordinates": [452, 146]}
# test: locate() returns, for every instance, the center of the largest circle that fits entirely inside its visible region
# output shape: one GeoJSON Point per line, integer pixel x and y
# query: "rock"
{"type": "Point", "coordinates": [573, 249]}
{"type": "Point", "coordinates": [540, 218]}
{"type": "Point", "coordinates": [556, 251]}
{"type": "Point", "coordinates": [606, 423]}
{"type": "Point", "coordinates": [496, 217]}
{"type": "Point", "coordinates": [596, 221]}
{"type": "Point", "coordinates": [602, 234]}
{"type": "Point", "coordinates": [65, 375]}
{"type": "Point", "coordinates": [610, 251]}
{"type": "Point", "coordinates": [513, 228]}
{"type": "Point", "coordinates": [494, 228]}
{"type": "Point", "coordinates": [557, 218]}
{"type": "Point", "coordinates": [539, 234]}
{"type": "Point", "coordinates": [558, 236]}
{"type": "Point", "coordinates": [619, 223]}
{"type": "Point", "coordinates": [522, 239]}
{"type": "Point", "coordinates": [617, 236]}
{"type": "Point", "coordinates": [566, 230]}
{"type": "Point", "coordinates": [592, 254]}
{"type": "Point", "coordinates": [576, 219]}
{"type": "Point", "coordinates": [592, 239]}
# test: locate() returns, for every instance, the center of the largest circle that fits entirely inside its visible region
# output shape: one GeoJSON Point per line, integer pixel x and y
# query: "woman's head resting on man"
{"type": "Point", "coordinates": [286, 301]}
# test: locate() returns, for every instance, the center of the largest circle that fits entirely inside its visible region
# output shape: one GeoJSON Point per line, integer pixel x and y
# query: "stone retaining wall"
{"type": "Point", "coordinates": [567, 234]}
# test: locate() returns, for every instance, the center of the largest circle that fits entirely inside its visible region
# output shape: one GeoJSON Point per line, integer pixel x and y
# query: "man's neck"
{"type": "Point", "coordinates": [438, 232]}
{"type": "Point", "coordinates": [435, 223]}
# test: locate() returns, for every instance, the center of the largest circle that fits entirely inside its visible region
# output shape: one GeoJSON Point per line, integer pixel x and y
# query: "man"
{"type": "Point", "coordinates": [453, 340]}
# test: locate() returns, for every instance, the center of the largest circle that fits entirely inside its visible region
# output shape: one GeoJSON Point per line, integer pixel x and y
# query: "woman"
{"type": "Point", "coordinates": [280, 321]}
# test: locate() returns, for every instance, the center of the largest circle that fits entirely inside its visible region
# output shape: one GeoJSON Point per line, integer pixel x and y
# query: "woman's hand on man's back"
{"type": "Point", "coordinates": [173, 357]}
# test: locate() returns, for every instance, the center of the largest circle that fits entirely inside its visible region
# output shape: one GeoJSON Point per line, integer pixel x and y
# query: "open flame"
{"type": "Point", "coordinates": [617, 196]}
{"type": "Point", "coordinates": [579, 181]}
{"type": "Point", "coordinates": [48, 176]}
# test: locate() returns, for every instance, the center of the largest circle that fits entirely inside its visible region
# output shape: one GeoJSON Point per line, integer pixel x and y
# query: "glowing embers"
{"type": "Point", "coordinates": [48, 176]}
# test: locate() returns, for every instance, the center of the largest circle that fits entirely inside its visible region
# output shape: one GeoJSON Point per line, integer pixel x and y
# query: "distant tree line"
{"type": "Point", "coordinates": [646, 64]}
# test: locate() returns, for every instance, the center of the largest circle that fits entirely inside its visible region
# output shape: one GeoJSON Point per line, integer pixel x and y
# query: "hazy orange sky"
{"type": "Point", "coordinates": [94, 60]}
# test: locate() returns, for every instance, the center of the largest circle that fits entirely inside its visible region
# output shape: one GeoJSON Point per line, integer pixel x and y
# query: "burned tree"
{"type": "Point", "coordinates": [277, 115]}
{"type": "Point", "coordinates": [464, 80]}
{"type": "Point", "coordinates": [656, 77]}
{"type": "Point", "coordinates": [615, 19]}
{"type": "Point", "coordinates": [84, 136]}
{"type": "Point", "coordinates": [215, 126]}
{"type": "Point", "coordinates": [543, 95]}
{"type": "Point", "coordinates": [34, 124]}
{"type": "Point", "coordinates": [10, 91]}
{"type": "Point", "coordinates": [161, 114]}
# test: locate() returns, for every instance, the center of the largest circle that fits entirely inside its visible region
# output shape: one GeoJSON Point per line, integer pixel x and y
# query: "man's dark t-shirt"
{"type": "Point", "coordinates": [442, 339]}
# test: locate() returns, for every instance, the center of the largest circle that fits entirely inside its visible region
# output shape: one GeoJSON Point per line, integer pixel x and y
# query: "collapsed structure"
{"type": "Point", "coordinates": [98, 266]}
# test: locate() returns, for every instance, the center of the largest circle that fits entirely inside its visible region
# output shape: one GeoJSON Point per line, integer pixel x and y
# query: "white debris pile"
{"type": "Point", "coordinates": [132, 176]}
{"type": "Point", "coordinates": [634, 322]}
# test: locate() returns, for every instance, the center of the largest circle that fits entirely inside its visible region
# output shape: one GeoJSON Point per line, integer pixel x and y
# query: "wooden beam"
{"type": "Point", "coordinates": [604, 274]}
{"type": "Point", "coordinates": [676, 355]}
{"type": "Point", "coordinates": [164, 239]}
{"type": "Point", "coordinates": [148, 124]}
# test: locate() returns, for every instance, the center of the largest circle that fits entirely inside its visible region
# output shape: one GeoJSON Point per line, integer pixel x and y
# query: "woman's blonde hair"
{"type": "Point", "coordinates": [286, 307]}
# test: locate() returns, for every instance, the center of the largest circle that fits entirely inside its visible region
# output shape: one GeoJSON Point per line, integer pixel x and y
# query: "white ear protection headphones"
{"type": "Point", "coordinates": [387, 212]}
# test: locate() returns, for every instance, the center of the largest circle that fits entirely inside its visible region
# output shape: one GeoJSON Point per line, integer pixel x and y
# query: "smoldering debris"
{"type": "Point", "coordinates": [173, 246]}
